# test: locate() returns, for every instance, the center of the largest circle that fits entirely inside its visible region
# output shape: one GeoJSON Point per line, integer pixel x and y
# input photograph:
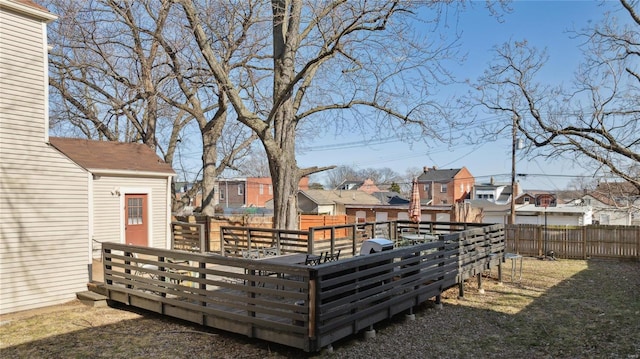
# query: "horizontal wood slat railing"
{"type": "Point", "coordinates": [189, 237]}
{"type": "Point", "coordinates": [307, 307]}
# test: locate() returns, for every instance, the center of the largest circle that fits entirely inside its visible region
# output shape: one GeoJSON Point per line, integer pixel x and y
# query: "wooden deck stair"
{"type": "Point", "coordinates": [94, 296]}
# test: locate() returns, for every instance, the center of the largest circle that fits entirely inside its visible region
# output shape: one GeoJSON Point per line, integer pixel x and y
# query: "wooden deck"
{"type": "Point", "coordinates": [307, 307]}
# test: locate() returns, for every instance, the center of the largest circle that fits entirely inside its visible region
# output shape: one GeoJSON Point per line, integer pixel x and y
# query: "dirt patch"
{"type": "Point", "coordinates": [560, 309]}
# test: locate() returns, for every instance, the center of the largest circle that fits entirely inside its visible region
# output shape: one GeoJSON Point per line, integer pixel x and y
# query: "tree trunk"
{"type": "Point", "coordinates": [285, 173]}
{"type": "Point", "coordinates": [285, 177]}
{"type": "Point", "coordinates": [209, 173]}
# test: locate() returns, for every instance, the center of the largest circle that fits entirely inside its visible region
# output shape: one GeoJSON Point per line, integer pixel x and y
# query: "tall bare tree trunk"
{"type": "Point", "coordinates": [284, 168]}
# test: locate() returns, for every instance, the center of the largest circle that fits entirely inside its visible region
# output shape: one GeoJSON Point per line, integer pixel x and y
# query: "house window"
{"type": "Point", "coordinates": [221, 194]}
{"type": "Point", "coordinates": [443, 188]}
{"type": "Point", "coordinates": [426, 188]}
{"type": "Point", "coordinates": [134, 207]}
{"type": "Point", "coordinates": [604, 218]}
{"type": "Point", "coordinates": [270, 189]}
{"type": "Point", "coordinates": [526, 200]}
{"type": "Point", "coordinates": [240, 190]}
{"type": "Point", "coordinates": [261, 188]}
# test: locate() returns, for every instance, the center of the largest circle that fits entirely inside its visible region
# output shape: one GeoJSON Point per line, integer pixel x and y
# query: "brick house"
{"type": "Point", "coordinates": [445, 186]}
{"type": "Point", "coordinates": [249, 191]}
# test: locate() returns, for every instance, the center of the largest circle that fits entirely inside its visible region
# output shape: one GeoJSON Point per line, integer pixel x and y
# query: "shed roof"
{"type": "Point", "coordinates": [112, 156]}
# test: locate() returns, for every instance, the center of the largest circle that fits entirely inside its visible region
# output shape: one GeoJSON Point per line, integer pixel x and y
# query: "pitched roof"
{"type": "Point", "coordinates": [617, 189]}
{"type": "Point", "coordinates": [31, 4]}
{"type": "Point", "coordinates": [321, 196]}
{"type": "Point", "coordinates": [29, 8]}
{"type": "Point", "coordinates": [390, 198]}
{"type": "Point", "coordinates": [112, 156]}
{"type": "Point", "coordinates": [438, 175]}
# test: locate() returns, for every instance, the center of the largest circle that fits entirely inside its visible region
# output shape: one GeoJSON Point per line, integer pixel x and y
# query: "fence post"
{"type": "Point", "coordinates": [539, 234]}
{"type": "Point", "coordinates": [173, 234]}
{"type": "Point", "coordinates": [637, 243]}
{"type": "Point", "coordinates": [222, 240]}
{"type": "Point", "coordinates": [516, 238]}
{"type": "Point", "coordinates": [354, 235]}
{"type": "Point", "coordinates": [203, 245]}
{"type": "Point", "coordinates": [310, 241]}
{"type": "Point", "coordinates": [584, 242]}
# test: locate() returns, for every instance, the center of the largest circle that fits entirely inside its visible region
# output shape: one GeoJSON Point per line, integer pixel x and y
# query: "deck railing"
{"type": "Point", "coordinates": [307, 307]}
{"type": "Point", "coordinates": [189, 237]}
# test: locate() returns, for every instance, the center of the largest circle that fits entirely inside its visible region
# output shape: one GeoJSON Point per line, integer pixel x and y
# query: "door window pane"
{"type": "Point", "coordinates": [134, 210]}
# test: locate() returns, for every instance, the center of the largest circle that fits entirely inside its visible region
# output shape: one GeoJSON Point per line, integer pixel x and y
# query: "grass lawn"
{"type": "Point", "coordinates": [560, 309]}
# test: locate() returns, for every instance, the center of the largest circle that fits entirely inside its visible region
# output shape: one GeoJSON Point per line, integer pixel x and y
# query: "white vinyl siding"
{"type": "Point", "coordinates": [22, 79]}
{"type": "Point", "coordinates": [108, 208]}
{"type": "Point", "coordinates": [43, 195]}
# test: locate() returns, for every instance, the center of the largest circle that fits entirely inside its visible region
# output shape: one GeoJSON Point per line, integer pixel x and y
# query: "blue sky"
{"type": "Point", "coordinates": [543, 24]}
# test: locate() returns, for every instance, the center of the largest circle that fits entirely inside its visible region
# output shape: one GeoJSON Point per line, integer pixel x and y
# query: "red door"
{"type": "Point", "coordinates": [135, 221]}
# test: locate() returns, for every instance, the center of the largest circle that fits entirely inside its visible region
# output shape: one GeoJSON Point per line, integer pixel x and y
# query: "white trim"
{"type": "Point", "coordinates": [28, 10]}
{"type": "Point", "coordinates": [128, 173]}
{"type": "Point", "coordinates": [137, 190]}
{"type": "Point", "coordinates": [168, 211]}
{"type": "Point", "coordinates": [45, 81]}
{"type": "Point", "coordinates": [90, 203]}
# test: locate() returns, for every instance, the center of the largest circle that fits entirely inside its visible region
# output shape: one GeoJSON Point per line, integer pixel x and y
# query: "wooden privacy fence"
{"type": "Point", "coordinates": [307, 307]}
{"type": "Point", "coordinates": [189, 237]}
{"type": "Point", "coordinates": [575, 242]}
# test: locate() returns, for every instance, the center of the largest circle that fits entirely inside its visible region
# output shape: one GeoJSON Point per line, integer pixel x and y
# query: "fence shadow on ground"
{"type": "Point", "coordinates": [560, 309]}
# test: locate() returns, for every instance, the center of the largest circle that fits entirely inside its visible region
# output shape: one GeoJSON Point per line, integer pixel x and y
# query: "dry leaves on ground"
{"type": "Point", "coordinates": [560, 309]}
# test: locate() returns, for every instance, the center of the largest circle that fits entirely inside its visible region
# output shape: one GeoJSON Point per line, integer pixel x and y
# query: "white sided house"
{"type": "Point", "coordinates": [54, 205]}
{"type": "Point", "coordinates": [129, 191]}
{"type": "Point", "coordinates": [44, 196]}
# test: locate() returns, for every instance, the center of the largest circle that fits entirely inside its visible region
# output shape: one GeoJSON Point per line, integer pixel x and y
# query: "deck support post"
{"type": "Point", "coordinates": [370, 333]}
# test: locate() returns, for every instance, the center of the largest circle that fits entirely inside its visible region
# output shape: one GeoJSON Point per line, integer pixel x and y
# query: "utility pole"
{"type": "Point", "coordinates": [514, 144]}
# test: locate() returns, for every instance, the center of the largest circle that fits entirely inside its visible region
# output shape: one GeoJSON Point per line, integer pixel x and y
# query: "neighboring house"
{"type": "Point", "coordinates": [529, 196]}
{"type": "Point", "coordinates": [332, 202]}
{"type": "Point", "coordinates": [562, 214]}
{"type": "Point", "coordinates": [613, 203]}
{"type": "Point", "coordinates": [605, 210]}
{"type": "Point", "coordinates": [367, 186]}
{"type": "Point", "coordinates": [250, 191]}
{"type": "Point", "coordinates": [232, 192]}
{"type": "Point", "coordinates": [391, 198]}
{"type": "Point", "coordinates": [44, 196]}
{"type": "Point", "coordinates": [129, 190]}
{"type": "Point", "coordinates": [498, 193]}
{"type": "Point", "coordinates": [192, 200]}
{"type": "Point", "coordinates": [258, 191]}
{"type": "Point", "coordinates": [445, 186]}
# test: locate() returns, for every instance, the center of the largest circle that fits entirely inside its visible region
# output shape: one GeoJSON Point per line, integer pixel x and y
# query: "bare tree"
{"type": "Point", "coordinates": [321, 59]}
{"type": "Point", "coordinates": [596, 121]}
{"type": "Point", "coordinates": [255, 163]}
{"type": "Point", "coordinates": [130, 71]}
{"type": "Point", "coordinates": [382, 177]}
{"type": "Point", "coordinates": [337, 175]}
{"type": "Point", "coordinates": [105, 68]}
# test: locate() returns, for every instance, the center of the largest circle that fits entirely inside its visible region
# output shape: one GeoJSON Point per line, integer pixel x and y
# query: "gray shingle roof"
{"type": "Point", "coordinates": [320, 196]}
{"type": "Point", "coordinates": [438, 175]}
